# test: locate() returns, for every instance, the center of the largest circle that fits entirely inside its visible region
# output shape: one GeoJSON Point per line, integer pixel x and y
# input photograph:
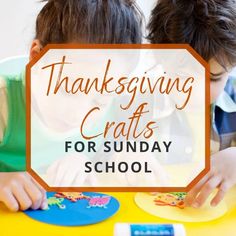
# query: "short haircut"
{"type": "Point", "coordinates": [209, 26]}
{"type": "Point", "coordinates": [89, 21]}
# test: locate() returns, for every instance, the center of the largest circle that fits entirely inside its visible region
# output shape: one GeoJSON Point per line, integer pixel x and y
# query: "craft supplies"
{"type": "Point", "coordinates": [149, 230]}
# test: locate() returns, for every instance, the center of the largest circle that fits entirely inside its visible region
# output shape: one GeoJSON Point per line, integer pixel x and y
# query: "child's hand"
{"type": "Point", "coordinates": [221, 176]}
{"type": "Point", "coordinates": [18, 191]}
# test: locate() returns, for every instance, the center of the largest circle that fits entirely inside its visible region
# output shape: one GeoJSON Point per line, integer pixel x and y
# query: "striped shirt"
{"type": "Point", "coordinates": [223, 132]}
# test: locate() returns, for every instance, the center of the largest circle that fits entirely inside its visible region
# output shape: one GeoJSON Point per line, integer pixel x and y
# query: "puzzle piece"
{"type": "Point", "coordinates": [75, 214]}
{"type": "Point", "coordinates": [179, 195]}
{"type": "Point", "coordinates": [53, 201]}
{"type": "Point", "coordinates": [175, 199]}
{"type": "Point", "coordinates": [73, 197]}
{"type": "Point", "coordinates": [99, 201]}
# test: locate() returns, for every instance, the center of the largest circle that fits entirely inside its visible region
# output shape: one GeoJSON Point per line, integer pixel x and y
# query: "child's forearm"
{"type": "Point", "coordinates": [3, 108]}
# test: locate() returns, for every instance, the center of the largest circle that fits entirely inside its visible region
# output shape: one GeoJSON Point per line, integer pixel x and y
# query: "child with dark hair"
{"type": "Point", "coordinates": [60, 21]}
{"type": "Point", "coordinates": [209, 26]}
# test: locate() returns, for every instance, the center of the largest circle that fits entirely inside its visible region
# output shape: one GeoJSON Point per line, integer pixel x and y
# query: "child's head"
{"type": "Point", "coordinates": [209, 26]}
{"type": "Point", "coordinates": [84, 22]}
{"type": "Point", "coordinates": [88, 21]}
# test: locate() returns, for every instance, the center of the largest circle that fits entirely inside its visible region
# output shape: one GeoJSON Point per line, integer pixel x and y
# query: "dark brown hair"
{"type": "Point", "coordinates": [209, 26]}
{"type": "Point", "coordinates": [89, 21]}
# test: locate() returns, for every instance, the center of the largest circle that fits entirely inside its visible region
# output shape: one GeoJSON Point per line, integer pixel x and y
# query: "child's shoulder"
{"type": "Point", "coordinates": [2, 83]}
{"type": "Point", "coordinates": [4, 79]}
{"type": "Point", "coordinates": [233, 81]}
{"type": "Point", "coordinates": [231, 87]}
{"type": "Point", "coordinates": [232, 78]}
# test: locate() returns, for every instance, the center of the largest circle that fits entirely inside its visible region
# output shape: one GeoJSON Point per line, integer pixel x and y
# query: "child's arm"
{"type": "Point", "coordinates": [221, 176]}
{"type": "Point", "coordinates": [18, 191]}
{"type": "Point", "coordinates": [3, 108]}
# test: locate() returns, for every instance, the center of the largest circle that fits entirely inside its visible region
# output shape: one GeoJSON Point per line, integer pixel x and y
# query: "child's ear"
{"type": "Point", "coordinates": [35, 48]}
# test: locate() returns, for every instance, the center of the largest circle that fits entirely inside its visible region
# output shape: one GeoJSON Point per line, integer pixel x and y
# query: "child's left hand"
{"type": "Point", "coordinates": [221, 176]}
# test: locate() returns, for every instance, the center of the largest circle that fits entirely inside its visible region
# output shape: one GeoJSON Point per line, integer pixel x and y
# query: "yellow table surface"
{"type": "Point", "coordinates": [18, 224]}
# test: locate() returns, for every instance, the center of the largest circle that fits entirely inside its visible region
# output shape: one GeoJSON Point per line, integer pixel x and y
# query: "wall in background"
{"type": "Point", "coordinates": [17, 26]}
{"type": "Point", "coordinates": [18, 21]}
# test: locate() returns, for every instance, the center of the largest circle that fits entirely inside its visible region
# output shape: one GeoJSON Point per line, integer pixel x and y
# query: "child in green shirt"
{"type": "Point", "coordinates": [113, 22]}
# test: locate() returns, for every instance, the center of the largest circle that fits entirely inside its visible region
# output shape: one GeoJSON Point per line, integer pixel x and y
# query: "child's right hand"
{"type": "Point", "coordinates": [19, 191]}
{"type": "Point", "coordinates": [222, 176]}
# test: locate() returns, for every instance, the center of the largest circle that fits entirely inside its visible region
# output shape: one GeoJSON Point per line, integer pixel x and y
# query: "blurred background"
{"type": "Point", "coordinates": [18, 22]}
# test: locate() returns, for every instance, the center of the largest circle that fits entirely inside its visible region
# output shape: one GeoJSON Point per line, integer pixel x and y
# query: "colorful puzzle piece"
{"type": "Point", "coordinates": [53, 201]}
{"type": "Point", "coordinates": [175, 199]}
{"type": "Point", "coordinates": [73, 197]}
{"type": "Point", "coordinates": [76, 214]}
{"type": "Point", "coordinates": [95, 201]}
{"type": "Point", "coordinates": [99, 201]}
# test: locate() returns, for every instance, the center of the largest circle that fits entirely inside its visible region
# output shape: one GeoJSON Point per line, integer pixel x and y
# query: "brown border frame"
{"type": "Point", "coordinates": [118, 46]}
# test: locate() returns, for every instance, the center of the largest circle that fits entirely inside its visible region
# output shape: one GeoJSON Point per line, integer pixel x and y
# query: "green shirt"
{"type": "Point", "coordinates": [12, 147]}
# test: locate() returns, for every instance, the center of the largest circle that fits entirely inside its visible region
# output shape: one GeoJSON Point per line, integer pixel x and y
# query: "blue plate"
{"type": "Point", "coordinates": [75, 213]}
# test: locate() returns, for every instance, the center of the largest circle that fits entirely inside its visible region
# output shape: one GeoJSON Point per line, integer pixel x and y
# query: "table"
{"type": "Point", "coordinates": [17, 224]}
